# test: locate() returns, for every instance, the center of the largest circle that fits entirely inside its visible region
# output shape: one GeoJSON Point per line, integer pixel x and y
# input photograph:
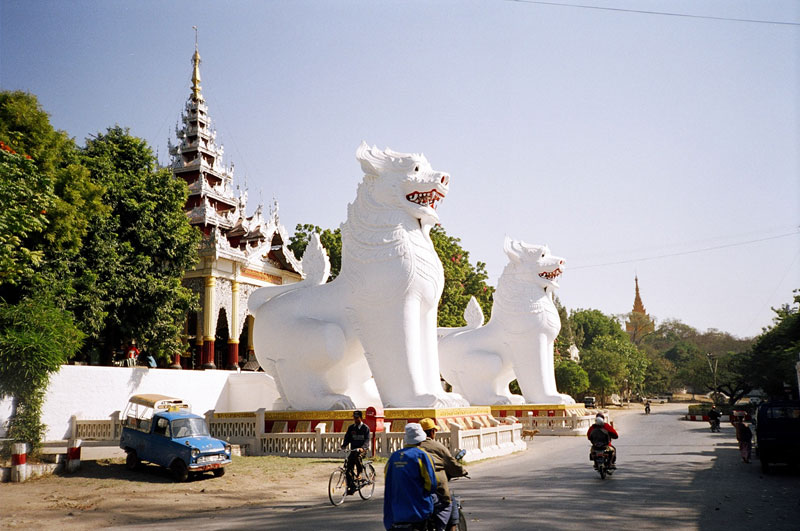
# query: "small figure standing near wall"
{"type": "Point", "coordinates": [132, 354]}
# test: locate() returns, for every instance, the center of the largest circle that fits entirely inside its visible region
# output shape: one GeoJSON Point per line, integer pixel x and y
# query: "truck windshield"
{"type": "Point", "coordinates": [189, 428]}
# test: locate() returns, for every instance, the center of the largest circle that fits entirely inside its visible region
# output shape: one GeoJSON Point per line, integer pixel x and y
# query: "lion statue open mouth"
{"type": "Point", "coordinates": [517, 342]}
{"type": "Point", "coordinates": [369, 336]}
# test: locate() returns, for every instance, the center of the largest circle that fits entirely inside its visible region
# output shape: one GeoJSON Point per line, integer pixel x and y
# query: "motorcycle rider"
{"type": "Point", "coordinates": [600, 434]}
{"type": "Point", "coordinates": [714, 416]}
{"type": "Point", "coordinates": [445, 510]}
{"type": "Point", "coordinates": [647, 407]}
{"type": "Point", "coordinates": [410, 484]}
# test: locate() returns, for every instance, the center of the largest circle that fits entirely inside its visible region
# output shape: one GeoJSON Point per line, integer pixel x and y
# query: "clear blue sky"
{"type": "Point", "coordinates": [630, 142]}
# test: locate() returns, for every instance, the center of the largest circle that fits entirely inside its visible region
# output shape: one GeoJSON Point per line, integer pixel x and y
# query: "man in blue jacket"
{"type": "Point", "coordinates": [410, 484]}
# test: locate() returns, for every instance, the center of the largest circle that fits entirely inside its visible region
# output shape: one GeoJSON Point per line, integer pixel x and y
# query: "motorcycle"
{"type": "Point", "coordinates": [647, 409]}
{"type": "Point", "coordinates": [429, 524]}
{"type": "Point", "coordinates": [601, 456]}
{"type": "Point", "coordinates": [714, 425]}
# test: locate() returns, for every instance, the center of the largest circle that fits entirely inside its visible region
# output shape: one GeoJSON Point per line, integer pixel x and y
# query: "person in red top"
{"type": "Point", "coordinates": [600, 434]}
{"type": "Point", "coordinates": [132, 354]}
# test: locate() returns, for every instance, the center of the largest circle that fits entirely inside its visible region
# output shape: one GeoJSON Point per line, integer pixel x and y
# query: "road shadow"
{"type": "Point", "coordinates": [145, 473]}
{"type": "Point", "coordinates": [741, 496]}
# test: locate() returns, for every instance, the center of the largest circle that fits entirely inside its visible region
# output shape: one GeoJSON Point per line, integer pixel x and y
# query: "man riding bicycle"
{"type": "Point", "coordinates": [445, 508]}
{"type": "Point", "coordinates": [357, 437]}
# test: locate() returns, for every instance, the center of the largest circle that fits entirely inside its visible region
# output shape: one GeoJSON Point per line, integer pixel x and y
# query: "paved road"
{"type": "Point", "coordinates": [672, 474]}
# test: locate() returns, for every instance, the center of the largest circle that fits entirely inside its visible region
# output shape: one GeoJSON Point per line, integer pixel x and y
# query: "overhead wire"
{"type": "Point", "coordinates": [660, 13]}
{"type": "Point", "coordinates": [682, 253]}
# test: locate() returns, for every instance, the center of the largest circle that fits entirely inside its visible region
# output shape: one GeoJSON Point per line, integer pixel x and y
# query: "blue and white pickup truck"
{"type": "Point", "coordinates": [163, 430]}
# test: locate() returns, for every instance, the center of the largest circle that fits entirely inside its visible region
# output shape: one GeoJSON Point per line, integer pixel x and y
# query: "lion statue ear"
{"type": "Point", "coordinates": [512, 249]}
{"type": "Point", "coordinates": [370, 161]}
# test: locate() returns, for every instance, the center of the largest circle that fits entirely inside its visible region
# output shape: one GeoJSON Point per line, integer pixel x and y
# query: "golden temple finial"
{"type": "Point", "coordinates": [196, 89]}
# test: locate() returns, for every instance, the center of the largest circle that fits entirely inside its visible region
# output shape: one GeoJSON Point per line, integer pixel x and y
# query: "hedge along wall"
{"type": "Point", "coordinates": [90, 392]}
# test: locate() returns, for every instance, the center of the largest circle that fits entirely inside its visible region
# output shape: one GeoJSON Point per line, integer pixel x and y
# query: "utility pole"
{"type": "Point", "coordinates": [713, 368]}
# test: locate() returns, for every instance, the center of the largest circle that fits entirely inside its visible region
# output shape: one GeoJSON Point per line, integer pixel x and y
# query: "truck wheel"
{"type": "Point", "coordinates": [132, 460]}
{"type": "Point", "coordinates": [180, 472]}
{"type": "Point", "coordinates": [218, 472]}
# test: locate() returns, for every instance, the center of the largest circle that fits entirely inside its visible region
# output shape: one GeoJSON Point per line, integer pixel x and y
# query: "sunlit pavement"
{"type": "Point", "coordinates": [672, 474]}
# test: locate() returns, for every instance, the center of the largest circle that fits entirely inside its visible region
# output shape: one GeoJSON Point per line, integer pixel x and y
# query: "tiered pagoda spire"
{"type": "Point", "coordinates": [639, 323]}
{"type": "Point", "coordinates": [239, 253]}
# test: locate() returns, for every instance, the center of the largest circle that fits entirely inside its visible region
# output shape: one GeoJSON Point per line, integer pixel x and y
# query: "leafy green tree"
{"type": "Point", "coordinates": [571, 378]}
{"type": "Point", "coordinates": [587, 325]}
{"type": "Point", "coordinates": [331, 240]}
{"type": "Point", "coordinates": [659, 376]}
{"type": "Point", "coordinates": [462, 280]}
{"type": "Point", "coordinates": [71, 197]}
{"type": "Point", "coordinates": [36, 337]}
{"type": "Point", "coordinates": [26, 195]}
{"type": "Point", "coordinates": [565, 338]}
{"type": "Point", "coordinates": [776, 351]}
{"type": "Point", "coordinates": [139, 253]}
{"type": "Point", "coordinates": [605, 365]}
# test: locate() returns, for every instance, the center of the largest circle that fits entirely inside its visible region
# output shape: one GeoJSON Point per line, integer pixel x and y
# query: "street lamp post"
{"type": "Point", "coordinates": [713, 368]}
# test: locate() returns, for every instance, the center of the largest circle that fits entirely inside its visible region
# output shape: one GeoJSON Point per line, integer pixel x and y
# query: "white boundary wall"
{"type": "Point", "coordinates": [89, 392]}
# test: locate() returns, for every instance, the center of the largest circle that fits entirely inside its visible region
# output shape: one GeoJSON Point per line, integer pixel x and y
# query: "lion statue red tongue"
{"type": "Point", "coordinates": [430, 198]}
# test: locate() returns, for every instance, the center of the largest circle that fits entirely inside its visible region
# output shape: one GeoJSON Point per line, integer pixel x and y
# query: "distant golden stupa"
{"type": "Point", "coordinates": [639, 323]}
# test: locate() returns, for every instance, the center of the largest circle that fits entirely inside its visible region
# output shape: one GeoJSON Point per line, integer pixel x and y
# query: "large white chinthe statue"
{"type": "Point", "coordinates": [517, 342]}
{"type": "Point", "coordinates": [369, 336]}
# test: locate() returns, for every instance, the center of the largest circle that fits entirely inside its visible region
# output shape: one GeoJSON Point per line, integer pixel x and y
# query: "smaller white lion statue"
{"type": "Point", "coordinates": [517, 342]}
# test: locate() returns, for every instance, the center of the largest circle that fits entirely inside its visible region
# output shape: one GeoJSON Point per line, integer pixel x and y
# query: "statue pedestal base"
{"type": "Point", "coordinates": [393, 420]}
{"type": "Point", "coordinates": [549, 419]}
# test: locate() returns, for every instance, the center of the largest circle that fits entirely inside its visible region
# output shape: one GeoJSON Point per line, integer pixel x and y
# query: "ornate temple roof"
{"type": "Point", "coordinates": [212, 206]}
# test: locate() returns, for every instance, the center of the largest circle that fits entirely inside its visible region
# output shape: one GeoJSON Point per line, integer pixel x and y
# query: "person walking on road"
{"type": "Point", "coordinates": [745, 437]}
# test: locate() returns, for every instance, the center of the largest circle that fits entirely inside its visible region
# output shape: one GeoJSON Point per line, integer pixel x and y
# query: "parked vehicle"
{"type": "Point", "coordinates": [589, 401]}
{"type": "Point", "coordinates": [778, 433]}
{"type": "Point", "coordinates": [163, 430]}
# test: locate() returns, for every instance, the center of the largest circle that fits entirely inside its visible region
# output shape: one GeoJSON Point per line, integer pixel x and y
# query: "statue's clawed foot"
{"type": "Point", "coordinates": [339, 402]}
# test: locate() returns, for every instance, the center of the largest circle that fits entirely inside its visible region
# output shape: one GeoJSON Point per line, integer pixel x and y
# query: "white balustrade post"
{"type": "Point", "coordinates": [260, 424]}
{"type": "Point", "coordinates": [73, 427]}
{"type": "Point", "coordinates": [455, 436]}
{"type": "Point", "coordinates": [116, 426]}
{"type": "Point", "coordinates": [319, 430]}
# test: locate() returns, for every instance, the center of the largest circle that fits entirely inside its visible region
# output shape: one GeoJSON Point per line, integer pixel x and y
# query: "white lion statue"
{"type": "Point", "coordinates": [517, 342]}
{"type": "Point", "coordinates": [369, 336]}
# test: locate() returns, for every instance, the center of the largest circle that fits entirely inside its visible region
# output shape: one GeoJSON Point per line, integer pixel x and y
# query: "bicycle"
{"type": "Point", "coordinates": [339, 486]}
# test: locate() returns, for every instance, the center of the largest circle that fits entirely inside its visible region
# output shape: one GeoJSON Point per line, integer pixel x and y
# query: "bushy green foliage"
{"type": "Point", "coordinates": [331, 240]}
{"type": "Point", "coordinates": [588, 325]}
{"type": "Point", "coordinates": [26, 195]}
{"type": "Point", "coordinates": [462, 280]}
{"type": "Point", "coordinates": [571, 378]}
{"type": "Point", "coordinates": [139, 252]}
{"type": "Point", "coordinates": [776, 351]}
{"type": "Point", "coordinates": [36, 337]}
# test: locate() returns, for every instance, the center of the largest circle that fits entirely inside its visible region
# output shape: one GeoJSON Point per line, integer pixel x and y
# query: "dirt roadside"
{"type": "Point", "coordinates": [105, 493]}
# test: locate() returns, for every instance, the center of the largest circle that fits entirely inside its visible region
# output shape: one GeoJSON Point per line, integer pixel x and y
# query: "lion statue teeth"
{"type": "Point", "coordinates": [517, 342]}
{"type": "Point", "coordinates": [369, 336]}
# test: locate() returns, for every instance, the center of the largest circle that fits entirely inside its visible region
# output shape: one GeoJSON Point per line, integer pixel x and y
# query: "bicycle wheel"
{"type": "Point", "coordinates": [462, 522]}
{"type": "Point", "coordinates": [367, 485]}
{"type": "Point", "coordinates": [337, 487]}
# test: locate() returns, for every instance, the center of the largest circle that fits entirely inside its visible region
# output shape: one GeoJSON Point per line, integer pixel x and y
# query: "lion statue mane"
{"type": "Point", "coordinates": [369, 336]}
{"type": "Point", "coordinates": [517, 342]}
